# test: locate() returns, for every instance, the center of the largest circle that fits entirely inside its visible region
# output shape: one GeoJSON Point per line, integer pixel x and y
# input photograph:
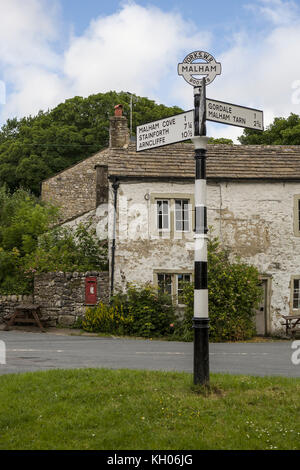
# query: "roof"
{"type": "Point", "coordinates": [223, 162]}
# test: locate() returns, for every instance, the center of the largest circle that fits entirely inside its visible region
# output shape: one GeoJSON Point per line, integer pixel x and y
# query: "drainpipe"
{"type": "Point", "coordinates": [115, 187]}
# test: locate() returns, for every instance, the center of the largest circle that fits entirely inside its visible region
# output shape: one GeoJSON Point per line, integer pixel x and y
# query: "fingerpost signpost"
{"type": "Point", "coordinates": [199, 69]}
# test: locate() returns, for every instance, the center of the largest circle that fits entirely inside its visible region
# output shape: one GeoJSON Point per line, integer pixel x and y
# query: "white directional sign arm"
{"type": "Point", "coordinates": [199, 69]}
{"type": "Point", "coordinates": [165, 131]}
{"type": "Point", "coordinates": [234, 115]}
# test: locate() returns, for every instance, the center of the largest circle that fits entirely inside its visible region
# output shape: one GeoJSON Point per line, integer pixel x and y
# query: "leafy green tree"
{"type": "Point", "coordinates": [67, 250]}
{"type": "Point", "coordinates": [35, 148]}
{"type": "Point", "coordinates": [220, 140]}
{"type": "Point", "coordinates": [23, 218]}
{"type": "Point", "coordinates": [234, 292]}
{"type": "Point", "coordinates": [29, 244]}
{"type": "Point", "coordinates": [283, 131]}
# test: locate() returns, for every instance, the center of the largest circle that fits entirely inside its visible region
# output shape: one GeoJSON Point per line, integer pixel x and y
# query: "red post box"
{"type": "Point", "coordinates": [91, 290]}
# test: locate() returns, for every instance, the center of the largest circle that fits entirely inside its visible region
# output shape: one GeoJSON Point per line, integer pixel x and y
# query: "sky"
{"type": "Point", "coordinates": [52, 50]}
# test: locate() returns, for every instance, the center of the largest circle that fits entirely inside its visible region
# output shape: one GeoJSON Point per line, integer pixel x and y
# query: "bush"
{"type": "Point", "coordinates": [142, 311]}
{"type": "Point", "coordinates": [63, 249]}
{"type": "Point", "coordinates": [13, 278]}
{"type": "Point", "coordinates": [234, 292]}
{"type": "Point", "coordinates": [23, 218]}
{"type": "Point", "coordinates": [29, 244]}
{"type": "Point", "coordinates": [106, 319]}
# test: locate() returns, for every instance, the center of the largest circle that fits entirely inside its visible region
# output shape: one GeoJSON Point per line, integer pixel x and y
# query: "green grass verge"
{"type": "Point", "coordinates": [126, 409]}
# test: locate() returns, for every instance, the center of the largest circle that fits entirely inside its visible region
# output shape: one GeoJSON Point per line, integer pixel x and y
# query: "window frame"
{"type": "Point", "coordinates": [182, 210]}
{"type": "Point", "coordinates": [169, 284]}
{"type": "Point", "coordinates": [171, 198]}
{"type": "Point", "coordinates": [168, 214]}
{"type": "Point", "coordinates": [293, 310]}
{"type": "Point", "coordinates": [177, 286]}
{"type": "Point", "coordinates": [174, 281]}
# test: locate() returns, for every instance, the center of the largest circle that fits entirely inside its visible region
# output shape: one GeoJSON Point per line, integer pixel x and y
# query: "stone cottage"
{"type": "Point", "coordinates": [143, 202]}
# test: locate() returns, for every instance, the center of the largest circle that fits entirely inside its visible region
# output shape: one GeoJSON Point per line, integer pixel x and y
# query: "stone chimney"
{"type": "Point", "coordinates": [118, 131]}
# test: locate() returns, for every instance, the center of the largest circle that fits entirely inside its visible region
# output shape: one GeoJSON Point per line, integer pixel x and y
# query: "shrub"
{"type": "Point", "coordinates": [23, 218]}
{"type": "Point", "coordinates": [13, 278]}
{"type": "Point", "coordinates": [234, 292]}
{"type": "Point", "coordinates": [151, 309]}
{"type": "Point", "coordinates": [106, 319]}
{"type": "Point", "coordinates": [29, 244]}
{"type": "Point", "coordinates": [142, 311]}
{"type": "Point", "coordinates": [63, 249]}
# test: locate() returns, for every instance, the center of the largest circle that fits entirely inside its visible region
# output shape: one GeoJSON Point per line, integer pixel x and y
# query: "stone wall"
{"type": "Point", "coordinates": [255, 220]}
{"type": "Point", "coordinates": [9, 302]}
{"type": "Point", "coordinates": [74, 190]}
{"type": "Point", "coordinates": [62, 295]}
{"type": "Point", "coordinates": [84, 186]}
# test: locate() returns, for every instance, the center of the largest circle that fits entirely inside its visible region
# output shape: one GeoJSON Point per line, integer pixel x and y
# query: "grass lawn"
{"type": "Point", "coordinates": [126, 409]}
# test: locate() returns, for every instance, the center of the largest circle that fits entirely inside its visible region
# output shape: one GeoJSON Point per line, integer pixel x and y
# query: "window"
{"type": "Point", "coordinates": [163, 214]}
{"type": "Point", "coordinates": [173, 284]}
{"type": "Point", "coordinates": [296, 297]}
{"type": "Point", "coordinates": [165, 283]}
{"type": "Point", "coordinates": [182, 279]}
{"type": "Point", "coordinates": [173, 215]}
{"type": "Point", "coordinates": [182, 215]}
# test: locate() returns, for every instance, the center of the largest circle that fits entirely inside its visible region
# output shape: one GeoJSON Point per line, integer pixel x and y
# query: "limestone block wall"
{"type": "Point", "coordinates": [255, 220]}
{"type": "Point", "coordinates": [9, 302]}
{"type": "Point", "coordinates": [139, 248]}
{"type": "Point", "coordinates": [74, 189]}
{"type": "Point", "coordinates": [62, 295]}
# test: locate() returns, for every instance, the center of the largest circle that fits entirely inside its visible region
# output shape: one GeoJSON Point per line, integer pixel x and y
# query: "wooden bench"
{"type": "Point", "coordinates": [292, 324]}
{"type": "Point", "coordinates": [25, 313]}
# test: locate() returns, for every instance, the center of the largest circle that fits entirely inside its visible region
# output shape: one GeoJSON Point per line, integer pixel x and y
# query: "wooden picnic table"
{"type": "Point", "coordinates": [292, 324]}
{"type": "Point", "coordinates": [25, 313]}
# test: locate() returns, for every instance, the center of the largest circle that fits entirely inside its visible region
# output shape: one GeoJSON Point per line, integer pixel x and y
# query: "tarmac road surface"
{"type": "Point", "coordinates": [28, 351]}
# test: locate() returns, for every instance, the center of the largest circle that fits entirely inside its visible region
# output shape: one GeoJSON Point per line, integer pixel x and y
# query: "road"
{"type": "Point", "coordinates": [27, 351]}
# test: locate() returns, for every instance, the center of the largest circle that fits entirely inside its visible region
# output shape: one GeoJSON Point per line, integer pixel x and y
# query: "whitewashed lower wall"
{"type": "Point", "coordinates": [254, 220]}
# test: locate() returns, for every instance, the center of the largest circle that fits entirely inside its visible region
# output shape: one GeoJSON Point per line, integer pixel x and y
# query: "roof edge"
{"type": "Point", "coordinates": [106, 149]}
{"type": "Point", "coordinates": [209, 178]}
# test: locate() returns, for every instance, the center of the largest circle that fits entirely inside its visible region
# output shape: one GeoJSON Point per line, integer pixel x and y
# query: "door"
{"type": "Point", "coordinates": [261, 312]}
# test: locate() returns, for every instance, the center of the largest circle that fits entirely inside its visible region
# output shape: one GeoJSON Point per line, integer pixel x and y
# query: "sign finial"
{"type": "Point", "coordinates": [190, 69]}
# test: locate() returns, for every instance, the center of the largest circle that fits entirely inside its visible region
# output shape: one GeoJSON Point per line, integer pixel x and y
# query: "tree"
{"type": "Point", "coordinates": [30, 243]}
{"type": "Point", "coordinates": [283, 131]}
{"type": "Point", "coordinates": [234, 292]}
{"type": "Point", "coordinates": [35, 148]}
{"type": "Point", "coordinates": [23, 218]}
{"type": "Point", "coordinates": [64, 249]}
{"type": "Point", "coordinates": [220, 140]}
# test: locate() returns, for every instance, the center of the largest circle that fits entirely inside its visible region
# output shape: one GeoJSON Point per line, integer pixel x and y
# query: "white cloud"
{"type": "Point", "coordinates": [137, 49]}
{"type": "Point", "coordinates": [25, 31]}
{"type": "Point", "coordinates": [259, 70]}
{"type": "Point", "coordinates": [279, 12]}
{"type": "Point", "coordinates": [29, 63]}
{"type": "Point", "coordinates": [262, 70]}
{"type": "Point", "coordinates": [35, 88]}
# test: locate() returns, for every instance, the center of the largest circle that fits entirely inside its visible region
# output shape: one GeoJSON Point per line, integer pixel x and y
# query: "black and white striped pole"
{"type": "Point", "coordinates": [195, 64]}
{"type": "Point", "coordinates": [200, 320]}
